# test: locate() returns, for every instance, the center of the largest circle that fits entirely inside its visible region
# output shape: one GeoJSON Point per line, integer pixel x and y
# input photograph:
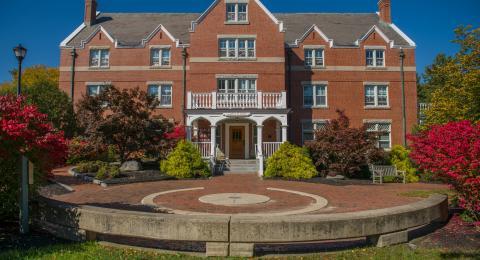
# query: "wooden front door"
{"type": "Point", "coordinates": [237, 142]}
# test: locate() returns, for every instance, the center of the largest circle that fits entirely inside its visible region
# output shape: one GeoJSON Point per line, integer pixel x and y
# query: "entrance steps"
{"type": "Point", "coordinates": [241, 166]}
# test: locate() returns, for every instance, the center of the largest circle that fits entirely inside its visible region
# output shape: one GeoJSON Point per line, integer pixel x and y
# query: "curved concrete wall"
{"type": "Point", "coordinates": [227, 232]}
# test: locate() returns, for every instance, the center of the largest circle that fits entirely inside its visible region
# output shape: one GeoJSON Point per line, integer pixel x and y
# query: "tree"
{"type": "Point", "coordinates": [124, 119]}
{"type": "Point", "coordinates": [290, 162]}
{"type": "Point", "coordinates": [452, 152]}
{"type": "Point", "coordinates": [341, 149]}
{"type": "Point", "coordinates": [40, 87]}
{"type": "Point", "coordinates": [185, 162]}
{"type": "Point", "coordinates": [24, 130]}
{"type": "Point", "coordinates": [452, 83]}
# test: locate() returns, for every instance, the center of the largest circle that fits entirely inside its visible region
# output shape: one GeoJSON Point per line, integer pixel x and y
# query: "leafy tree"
{"type": "Point", "coordinates": [185, 162]}
{"type": "Point", "coordinates": [25, 131]}
{"type": "Point", "coordinates": [452, 83]}
{"type": "Point", "coordinates": [124, 119]}
{"type": "Point", "coordinates": [290, 162]}
{"type": "Point", "coordinates": [399, 156]}
{"type": "Point", "coordinates": [452, 152]}
{"type": "Point", "coordinates": [40, 87]}
{"type": "Point", "coordinates": [341, 149]}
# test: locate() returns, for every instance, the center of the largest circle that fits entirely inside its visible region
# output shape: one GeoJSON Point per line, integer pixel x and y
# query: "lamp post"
{"type": "Point", "coordinates": [404, 112]}
{"type": "Point", "coordinates": [20, 52]}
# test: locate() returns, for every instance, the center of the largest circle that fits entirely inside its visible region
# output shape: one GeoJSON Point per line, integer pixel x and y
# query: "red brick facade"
{"type": "Point", "coordinates": [278, 67]}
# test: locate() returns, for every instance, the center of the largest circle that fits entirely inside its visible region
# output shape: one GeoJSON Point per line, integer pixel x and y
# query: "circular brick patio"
{"type": "Point", "coordinates": [341, 196]}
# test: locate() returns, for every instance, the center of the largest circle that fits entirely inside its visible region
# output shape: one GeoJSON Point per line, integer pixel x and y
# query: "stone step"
{"type": "Point", "coordinates": [242, 162]}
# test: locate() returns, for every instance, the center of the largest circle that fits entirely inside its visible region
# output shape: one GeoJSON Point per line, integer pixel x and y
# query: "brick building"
{"type": "Point", "coordinates": [238, 75]}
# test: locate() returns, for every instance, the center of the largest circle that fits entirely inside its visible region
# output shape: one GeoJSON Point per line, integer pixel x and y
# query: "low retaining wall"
{"type": "Point", "coordinates": [236, 235]}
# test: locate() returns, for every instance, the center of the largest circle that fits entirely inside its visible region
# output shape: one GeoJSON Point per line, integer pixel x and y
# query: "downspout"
{"type": "Point", "coordinates": [289, 91]}
{"type": "Point", "coordinates": [184, 82]}
{"type": "Point", "coordinates": [72, 76]}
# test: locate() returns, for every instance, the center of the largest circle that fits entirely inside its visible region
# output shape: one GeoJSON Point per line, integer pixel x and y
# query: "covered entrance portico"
{"type": "Point", "coordinates": [239, 135]}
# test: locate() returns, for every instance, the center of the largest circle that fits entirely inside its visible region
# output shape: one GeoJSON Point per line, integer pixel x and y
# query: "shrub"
{"type": "Point", "coordinates": [90, 167]}
{"type": "Point", "coordinates": [107, 172]}
{"type": "Point", "coordinates": [399, 157]}
{"type": "Point", "coordinates": [341, 149]}
{"type": "Point", "coordinates": [185, 161]}
{"type": "Point", "coordinates": [452, 152]}
{"type": "Point", "coordinates": [290, 162]}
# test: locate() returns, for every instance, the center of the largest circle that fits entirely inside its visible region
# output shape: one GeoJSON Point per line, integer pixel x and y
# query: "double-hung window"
{"type": "Point", "coordinates": [314, 58]}
{"type": "Point", "coordinates": [99, 58]}
{"type": "Point", "coordinates": [310, 127]}
{"type": "Point", "coordinates": [163, 93]}
{"type": "Point", "coordinates": [376, 96]}
{"type": "Point", "coordinates": [375, 58]}
{"type": "Point", "coordinates": [160, 57]}
{"type": "Point", "coordinates": [237, 12]}
{"type": "Point", "coordinates": [314, 95]}
{"type": "Point", "coordinates": [232, 86]}
{"type": "Point", "coordinates": [384, 133]}
{"type": "Point", "coordinates": [237, 48]}
{"type": "Point", "coordinates": [95, 90]}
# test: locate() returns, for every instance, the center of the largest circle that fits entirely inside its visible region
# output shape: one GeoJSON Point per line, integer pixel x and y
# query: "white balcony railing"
{"type": "Point", "coordinates": [204, 148]}
{"type": "Point", "coordinates": [257, 100]}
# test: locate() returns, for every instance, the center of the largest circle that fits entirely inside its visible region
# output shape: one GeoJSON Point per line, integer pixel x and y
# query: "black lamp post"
{"type": "Point", "coordinates": [20, 53]}
{"type": "Point", "coordinates": [404, 112]}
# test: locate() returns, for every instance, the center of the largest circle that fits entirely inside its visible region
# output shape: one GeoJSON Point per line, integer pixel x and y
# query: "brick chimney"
{"type": "Point", "coordinates": [90, 12]}
{"type": "Point", "coordinates": [385, 11]}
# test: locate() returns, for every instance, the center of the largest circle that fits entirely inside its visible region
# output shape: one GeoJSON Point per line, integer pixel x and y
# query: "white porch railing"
{"type": "Point", "coordinates": [269, 148]}
{"type": "Point", "coordinates": [204, 148]}
{"type": "Point", "coordinates": [257, 100]}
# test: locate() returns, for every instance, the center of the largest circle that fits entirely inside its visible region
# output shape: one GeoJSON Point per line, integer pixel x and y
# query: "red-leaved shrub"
{"type": "Point", "coordinates": [452, 152]}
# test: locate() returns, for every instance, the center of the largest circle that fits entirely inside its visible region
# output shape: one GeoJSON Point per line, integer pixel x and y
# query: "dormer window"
{"type": "Point", "coordinates": [160, 57]}
{"type": "Point", "coordinates": [314, 57]}
{"type": "Point", "coordinates": [237, 12]}
{"type": "Point", "coordinates": [375, 58]}
{"type": "Point", "coordinates": [99, 58]}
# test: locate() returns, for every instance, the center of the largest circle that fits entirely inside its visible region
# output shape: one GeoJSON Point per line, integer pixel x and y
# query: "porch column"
{"type": "Point", "coordinates": [188, 132]}
{"type": "Point", "coordinates": [213, 140]}
{"type": "Point", "coordinates": [260, 140]}
{"type": "Point", "coordinates": [284, 133]}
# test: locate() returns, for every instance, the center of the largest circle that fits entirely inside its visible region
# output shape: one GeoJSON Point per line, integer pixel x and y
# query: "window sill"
{"type": "Point", "coordinates": [316, 107]}
{"type": "Point", "coordinates": [315, 67]}
{"type": "Point", "coordinates": [376, 68]}
{"type": "Point", "coordinates": [377, 108]}
{"type": "Point", "coordinates": [161, 67]}
{"type": "Point", "coordinates": [99, 68]}
{"type": "Point", "coordinates": [237, 59]}
{"type": "Point", "coordinates": [237, 23]}
{"type": "Point", "coordinates": [164, 107]}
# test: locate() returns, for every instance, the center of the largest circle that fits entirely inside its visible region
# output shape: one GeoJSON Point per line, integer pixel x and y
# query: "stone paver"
{"type": "Point", "coordinates": [345, 198]}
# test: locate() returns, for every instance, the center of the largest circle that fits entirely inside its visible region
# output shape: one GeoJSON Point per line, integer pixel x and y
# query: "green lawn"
{"type": "Point", "coordinates": [427, 193]}
{"type": "Point", "coordinates": [93, 250]}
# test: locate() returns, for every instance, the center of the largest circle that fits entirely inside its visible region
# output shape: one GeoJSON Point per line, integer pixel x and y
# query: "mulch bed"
{"type": "Point", "coordinates": [125, 177]}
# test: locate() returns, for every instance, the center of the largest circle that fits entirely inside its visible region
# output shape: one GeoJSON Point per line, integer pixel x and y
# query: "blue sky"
{"type": "Point", "coordinates": [41, 25]}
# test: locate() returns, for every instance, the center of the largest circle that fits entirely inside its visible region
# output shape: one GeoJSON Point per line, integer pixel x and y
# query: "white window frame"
{"type": "Point", "coordinates": [99, 62]}
{"type": "Point", "coordinates": [376, 124]}
{"type": "Point", "coordinates": [375, 60]}
{"type": "Point", "coordinates": [314, 95]}
{"type": "Point", "coordinates": [158, 96]}
{"type": "Point", "coordinates": [161, 61]}
{"type": "Point", "coordinates": [376, 95]}
{"type": "Point", "coordinates": [100, 88]}
{"type": "Point", "coordinates": [237, 85]}
{"type": "Point", "coordinates": [314, 57]}
{"type": "Point", "coordinates": [315, 124]}
{"type": "Point", "coordinates": [236, 49]}
{"type": "Point", "coordinates": [236, 13]}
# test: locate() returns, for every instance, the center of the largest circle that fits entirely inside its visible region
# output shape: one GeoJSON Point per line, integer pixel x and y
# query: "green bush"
{"type": "Point", "coordinates": [290, 162]}
{"type": "Point", "coordinates": [185, 161]}
{"type": "Point", "coordinates": [90, 167]}
{"type": "Point", "coordinates": [108, 172]}
{"type": "Point", "coordinates": [399, 157]}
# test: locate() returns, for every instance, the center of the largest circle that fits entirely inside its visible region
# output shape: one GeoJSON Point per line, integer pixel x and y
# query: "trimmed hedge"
{"type": "Point", "coordinates": [399, 156]}
{"type": "Point", "coordinates": [290, 162]}
{"type": "Point", "coordinates": [185, 161]}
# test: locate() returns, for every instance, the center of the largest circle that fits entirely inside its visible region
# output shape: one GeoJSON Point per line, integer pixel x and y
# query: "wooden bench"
{"type": "Point", "coordinates": [380, 171]}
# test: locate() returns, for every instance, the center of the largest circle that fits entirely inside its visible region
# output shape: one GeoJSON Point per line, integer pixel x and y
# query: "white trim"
{"type": "Point", "coordinates": [381, 121]}
{"type": "Point", "coordinates": [159, 83]}
{"type": "Point", "coordinates": [314, 86]}
{"type": "Point", "coordinates": [372, 47]}
{"type": "Point", "coordinates": [310, 30]}
{"type": "Point", "coordinates": [214, 4]}
{"type": "Point", "coordinates": [238, 36]}
{"type": "Point", "coordinates": [405, 37]}
{"type": "Point", "coordinates": [103, 83]}
{"type": "Point", "coordinates": [377, 30]}
{"type": "Point", "coordinates": [72, 35]}
{"type": "Point", "coordinates": [247, 138]}
{"type": "Point", "coordinates": [376, 96]}
{"type": "Point", "coordinates": [236, 76]}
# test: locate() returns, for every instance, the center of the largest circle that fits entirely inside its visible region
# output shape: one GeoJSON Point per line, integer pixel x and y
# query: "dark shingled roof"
{"type": "Point", "coordinates": [344, 29]}
{"type": "Point", "coordinates": [129, 29]}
